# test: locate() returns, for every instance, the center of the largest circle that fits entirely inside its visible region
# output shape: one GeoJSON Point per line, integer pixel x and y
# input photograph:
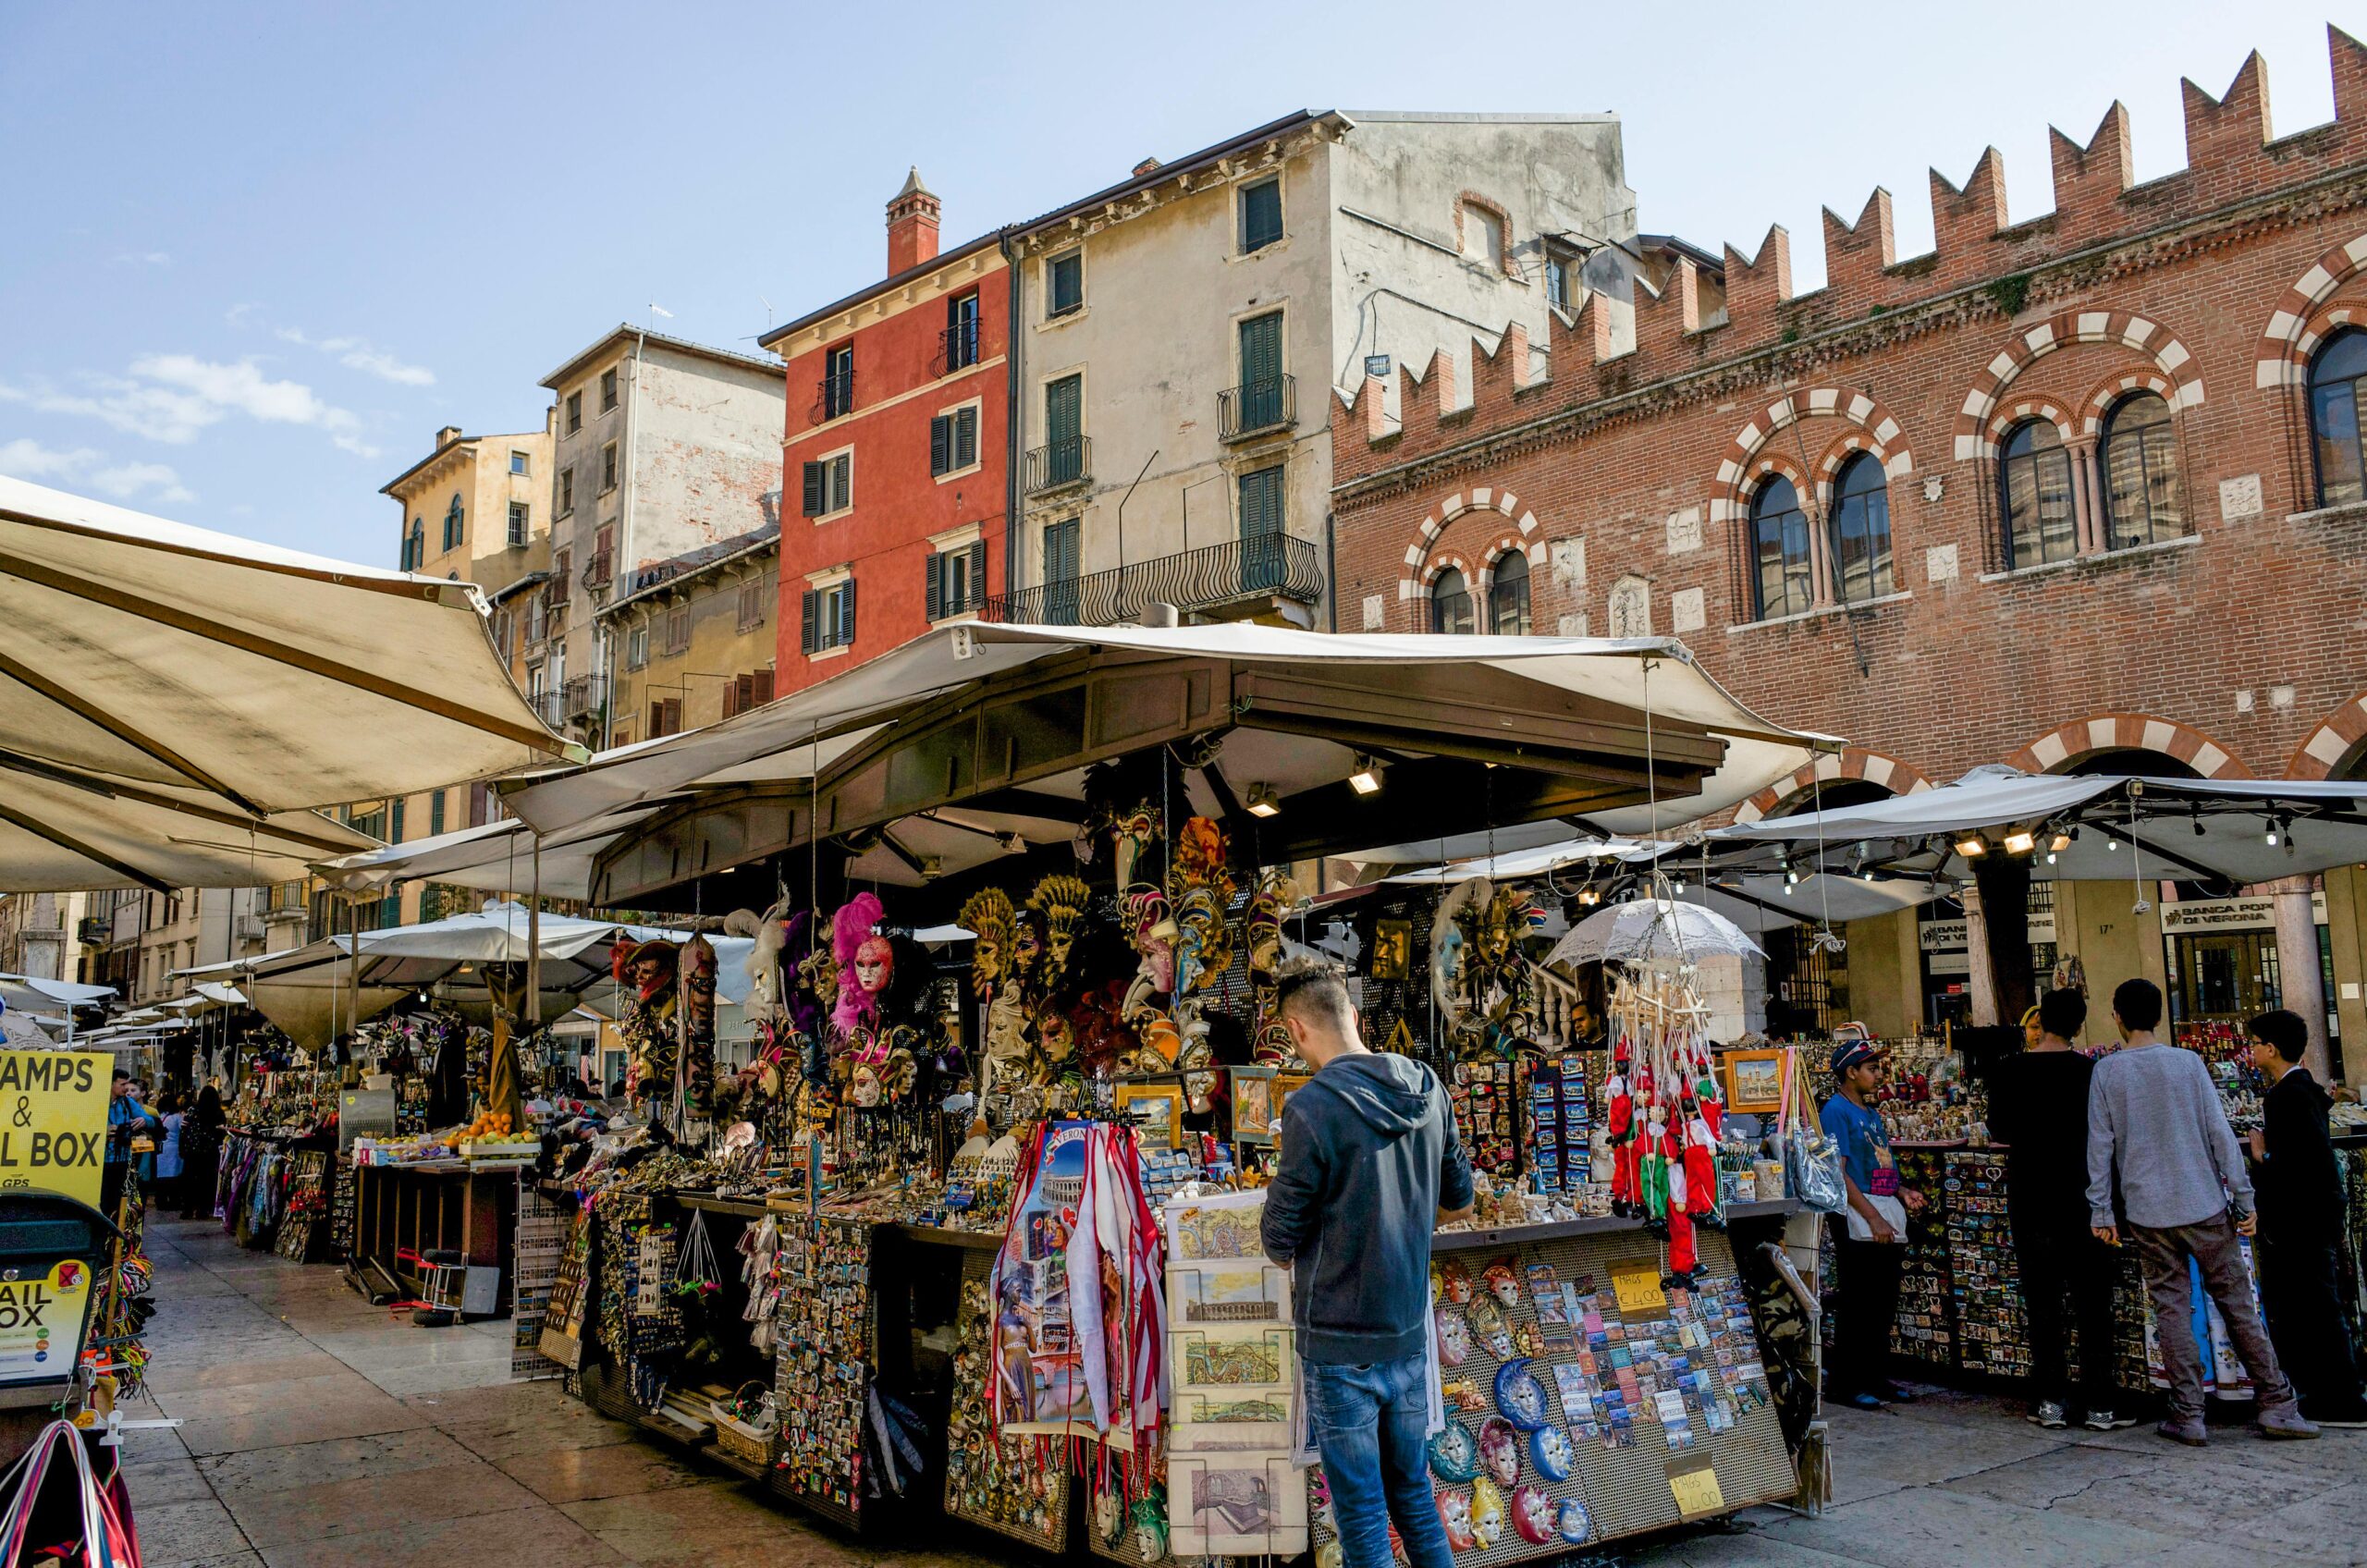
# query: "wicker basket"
{"type": "Point", "coordinates": [756, 1444]}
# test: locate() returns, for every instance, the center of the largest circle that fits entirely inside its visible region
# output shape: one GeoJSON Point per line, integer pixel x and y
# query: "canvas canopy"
{"type": "Point", "coordinates": [497, 857]}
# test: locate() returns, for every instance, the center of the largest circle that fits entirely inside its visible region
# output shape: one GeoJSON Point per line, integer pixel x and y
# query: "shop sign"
{"type": "Point", "coordinates": [1955, 936]}
{"type": "Point", "coordinates": [54, 1122]}
{"type": "Point", "coordinates": [41, 1323]}
{"type": "Point", "coordinates": [2193, 916]}
{"type": "Point", "coordinates": [1952, 961]}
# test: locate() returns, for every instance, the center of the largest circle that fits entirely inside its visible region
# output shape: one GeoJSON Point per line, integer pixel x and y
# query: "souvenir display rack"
{"type": "Point", "coordinates": [543, 1237]}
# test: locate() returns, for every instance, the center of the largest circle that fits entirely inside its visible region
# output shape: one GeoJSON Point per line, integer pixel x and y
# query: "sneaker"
{"type": "Point", "coordinates": [1863, 1401]}
{"type": "Point", "coordinates": [2105, 1421]}
{"type": "Point", "coordinates": [2285, 1421]}
{"type": "Point", "coordinates": [2190, 1433]}
{"type": "Point", "coordinates": [2049, 1414]}
{"type": "Point", "coordinates": [1897, 1393]}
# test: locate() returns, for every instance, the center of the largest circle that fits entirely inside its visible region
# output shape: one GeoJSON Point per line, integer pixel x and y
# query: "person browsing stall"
{"type": "Point", "coordinates": [1872, 1253]}
{"type": "Point", "coordinates": [2156, 1126]}
{"type": "Point", "coordinates": [1369, 1166]}
{"type": "Point", "coordinates": [2299, 1188]}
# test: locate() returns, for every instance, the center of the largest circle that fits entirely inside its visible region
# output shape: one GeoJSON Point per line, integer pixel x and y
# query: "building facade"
{"type": "Point", "coordinates": [1180, 338]}
{"type": "Point", "coordinates": [660, 448]}
{"type": "Point", "coordinates": [2080, 492]}
{"type": "Point", "coordinates": [694, 638]}
{"type": "Point", "coordinates": [41, 935]}
{"type": "Point", "coordinates": [894, 463]}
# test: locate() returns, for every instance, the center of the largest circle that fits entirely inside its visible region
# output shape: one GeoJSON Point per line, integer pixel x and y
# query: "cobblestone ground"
{"type": "Point", "coordinates": [317, 1432]}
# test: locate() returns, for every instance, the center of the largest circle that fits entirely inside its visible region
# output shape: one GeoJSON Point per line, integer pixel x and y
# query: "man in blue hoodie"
{"type": "Point", "coordinates": [1370, 1167]}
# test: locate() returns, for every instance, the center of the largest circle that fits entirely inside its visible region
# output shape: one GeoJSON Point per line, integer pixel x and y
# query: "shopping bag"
{"type": "Point", "coordinates": [1811, 1160]}
{"type": "Point", "coordinates": [55, 1506]}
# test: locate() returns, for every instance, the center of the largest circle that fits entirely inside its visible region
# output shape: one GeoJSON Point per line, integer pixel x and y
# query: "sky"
{"type": "Point", "coordinates": [251, 257]}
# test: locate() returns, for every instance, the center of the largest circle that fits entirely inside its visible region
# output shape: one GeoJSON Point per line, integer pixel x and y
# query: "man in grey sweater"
{"type": "Point", "coordinates": [2154, 1121]}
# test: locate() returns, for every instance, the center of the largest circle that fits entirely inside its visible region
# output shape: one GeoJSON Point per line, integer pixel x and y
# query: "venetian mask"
{"type": "Point", "coordinates": [987, 913]}
{"type": "Point", "coordinates": [1533, 1516]}
{"type": "Point", "coordinates": [698, 985]}
{"type": "Point", "coordinates": [1026, 944]}
{"type": "Point", "coordinates": [1455, 1453]}
{"type": "Point", "coordinates": [1550, 1451]}
{"type": "Point", "coordinates": [1488, 1324]}
{"type": "Point", "coordinates": [1455, 1281]}
{"type": "Point", "coordinates": [1487, 1513]}
{"type": "Point", "coordinates": [1503, 1283]}
{"type": "Point", "coordinates": [1055, 1036]}
{"type": "Point", "coordinates": [1455, 1338]}
{"type": "Point", "coordinates": [1133, 833]}
{"type": "Point", "coordinates": [1150, 1529]}
{"type": "Point", "coordinates": [875, 963]}
{"type": "Point", "coordinates": [1520, 1398]}
{"type": "Point", "coordinates": [1571, 1521]}
{"type": "Point", "coordinates": [1109, 1518]}
{"type": "Point", "coordinates": [1499, 1451]}
{"type": "Point", "coordinates": [1454, 1514]}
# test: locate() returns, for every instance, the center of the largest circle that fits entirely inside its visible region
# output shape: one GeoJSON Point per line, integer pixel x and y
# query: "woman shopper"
{"type": "Point", "coordinates": [201, 1147]}
{"type": "Point", "coordinates": [169, 1152]}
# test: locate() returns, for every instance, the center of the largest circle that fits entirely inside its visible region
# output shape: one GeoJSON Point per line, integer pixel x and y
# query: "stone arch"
{"type": "Point", "coordinates": [1503, 545]}
{"type": "Point", "coordinates": [2299, 324]}
{"type": "Point", "coordinates": [1414, 581]}
{"type": "Point", "coordinates": [2021, 410]}
{"type": "Point", "coordinates": [1880, 432]}
{"type": "Point", "coordinates": [1852, 763]}
{"type": "Point", "coordinates": [2067, 743]}
{"type": "Point", "coordinates": [2331, 743]}
{"type": "Point", "coordinates": [2099, 399]}
{"type": "Point", "coordinates": [2148, 337]}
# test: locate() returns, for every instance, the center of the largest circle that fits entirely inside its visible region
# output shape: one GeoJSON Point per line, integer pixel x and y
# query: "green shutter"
{"type": "Point", "coordinates": [933, 585]}
{"type": "Point", "coordinates": [814, 507]}
{"type": "Point", "coordinates": [1063, 409]}
{"type": "Point", "coordinates": [1261, 349]}
{"type": "Point", "coordinates": [940, 445]}
{"type": "Point", "coordinates": [977, 576]}
{"type": "Point", "coordinates": [965, 437]}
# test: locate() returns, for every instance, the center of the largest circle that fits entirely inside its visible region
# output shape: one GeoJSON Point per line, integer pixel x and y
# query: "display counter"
{"type": "Point", "coordinates": [402, 1213]}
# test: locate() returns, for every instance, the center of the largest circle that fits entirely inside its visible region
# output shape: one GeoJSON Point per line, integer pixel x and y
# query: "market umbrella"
{"type": "Point", "coordinates": [1644, 929]}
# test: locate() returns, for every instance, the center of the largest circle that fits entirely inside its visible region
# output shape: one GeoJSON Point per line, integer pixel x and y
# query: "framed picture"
{"type": "Point", "coordinates": [1156, 1108]}
{"type": "Point", "coordinates": [1285, 1085]}
{"type": "Point", "coordinates": [1755, 1082]}
{"type": "Point", "coordinates": [1255, 1113]}
{"type": "Point", "coordinates": [1392, 947]}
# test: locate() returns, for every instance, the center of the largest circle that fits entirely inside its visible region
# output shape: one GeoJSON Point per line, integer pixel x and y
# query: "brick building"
{"type": "Point", "coordinates": [2078, 491]}
{"type": "Point", "coordinates": [894, 462]}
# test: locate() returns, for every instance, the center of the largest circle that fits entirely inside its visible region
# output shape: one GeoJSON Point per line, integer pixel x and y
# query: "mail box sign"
{"type": "Point", "coordinates": [54, 1122]}
{"type": "Point", "coordinates": [41, 1322]}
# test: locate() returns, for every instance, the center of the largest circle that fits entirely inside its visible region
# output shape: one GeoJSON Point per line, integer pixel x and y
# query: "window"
{"type": "Point", "coordinates": [1562, 277]}
{"type": "Point", "coordinates": [1508, 595]}
{"type": "Point", "coordinates": [1483, 235]}
{"type": "Point", "coordinates": [1263, 527]}
{"type": "Point", "coordinates": [1063, 430]}
{"type": "Point", "coordinates": [953, 441]}
{"type": "Point", "coordinates": [1261, 404]}
{"type": "Point", "coordinates": [838, 381]}
{"type": "Point", "coordinates": [415, 551]}
{"type": "Point", "coordinates": [1262, 214]}
{"type": "Point", "coordinates": [607, 468]}
{"type": "Point", "coordinates": [561, 576]}
{"type": "Point", "coordinates": [961, 331]}
{"type": "Point", "coordinates": [1861, 529]}
{"type": "Point", "coordinates": [453, 519]}
{"type": "Point", "coordinates": [830, 618]}
{"type": "Point", "coordinates": [678, 630]}
{"type": "Point", "coordinates": [518, 462]}
{"type": "Point", "coordinates": [955, 580]}
{"type": "Point", "coordinates": [1450, 603]}
{"type": "Point", "coordinates": [664, 717]}
{"type": "Point", "coordinates": [2334, 376]}
{"type": "Point", "coordinates": [1064, 285]}
{"type": "Point", "coordinates": [607, 390]}
{"type": "Point", "coordinates": [637, 648]}
{"type": "Point", "coordinates": [752, 603]}
{"type": "Point", "coordinates": [520, 517]}
{"type": "Point", "coordinates": [574, 412]}
{"type": "Point", "coordinates": [829, 484]}
{"type": "Point", "coordinates": [2034, 475]}
{"type": "Point", "coordinates": [435, 813]}
{"type": "Point", "coordinates": [567, 492]}
{"type": "Point", "coordinates": [395, 816]}
{"type": "Point", "coordinates": [1779, 551]}
{"type": "Point", "coordinates": [2142, 498]}
{"type": "Point", "coordinates": [1064, 545]}
{"type": "Point", "coordinates": [745, 691]}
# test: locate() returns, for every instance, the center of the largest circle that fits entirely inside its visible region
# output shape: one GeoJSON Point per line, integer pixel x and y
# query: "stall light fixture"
{"type": "Point", "coordinates": [1262, 801]}
{"type": "Point", "coordinates": [2020, 841]}
{"type": "Point", "coordinates": [1868, 873]}
{"type": "Point", "coordinates": [1588, 896]}
{"type": "Point", "coordinates": [1366, 779]}
{"type": "Point", "coordinates": [1972, 846]}
{"type": "Point", "coordinates": [2271, 835]}
{"type": "Point", "coordinates": [1791, 880]}
{"type": "Point", "coordinates": [2057, 845]}
{"type": "Point", "coordinates": [2200, 831]}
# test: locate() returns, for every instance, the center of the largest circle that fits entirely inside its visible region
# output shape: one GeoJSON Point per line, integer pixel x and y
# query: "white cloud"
{"type": "Point", "coordinates": [170, 398]}
{"type": "Point", "coordinates": [145, 259]}
{"type": "Point", "coordinates": [86, 467]}
{"type": "Point", "coordinates": [356, 353]}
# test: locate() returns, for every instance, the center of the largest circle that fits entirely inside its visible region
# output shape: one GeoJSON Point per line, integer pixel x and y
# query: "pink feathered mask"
{"type": "Point", "coordinates": [849, 929]}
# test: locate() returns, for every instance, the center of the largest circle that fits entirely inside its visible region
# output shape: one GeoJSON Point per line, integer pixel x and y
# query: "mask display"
{"type": "Point", "coordinates": [1487, 1513]}
{"type": "Point", "coordinates": [1499, 1451]}
{"type": "Point", "coordinates": [1533, 1516]}
{"type": "Point", "coordinates": [1060, 899]}
{"type": "Point", "coordinates": [987, 913]}
{"type": "Point", "coordinates": [1454, 1514]}
{"type": "Point", "coordinates": [1455, 1338]}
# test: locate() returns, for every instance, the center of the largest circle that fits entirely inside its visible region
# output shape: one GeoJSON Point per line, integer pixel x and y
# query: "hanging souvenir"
{"type": "Point", "coordinates": [1200, 889]}
{"type": "Point", "coordinates": [1550, 1451]}
{"type": "Point", "coordinates": [648, 1027]}
{"type": "Point", "coordinates": [1455, 1337]}
{"type": "Point", "coordinates": [1499, 1451]}
{"type": "Point", "coordinates": [1502, 1281]}
{"type": "Point", "coordinates": [1454, 1514]}
{"type": "Point", "coordinates": [697, 1019]}
{"type": "Point", "coordinates": [1454, 1452]}
{"type": "Point", "coordinates": [1520, 1398]}
{"type": "Point", "coordinates": [1060, 899]}
{"type": "Point", "coordinates": [1453, 1281]}
{"type": "Point", "coordinates": [1572, 1521]}
{"type": "Point", "coordinates": [1533, 1516]}
{"type": "Point", "coordinates": [1488, 1327]}
{"type": "Point", "coordinates": [987, 916]}
{"type": "Point", "coordinates": [1487, 1513]}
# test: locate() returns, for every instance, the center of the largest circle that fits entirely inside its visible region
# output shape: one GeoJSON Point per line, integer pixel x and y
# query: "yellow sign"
{"type": "Point", "coordinates": [1638, 1290]}
{"type": "Point", "coordinates": [1697, 1493]}
{"type": "Point", "coordinates": [41, 1323]}
{"type": "Point", "coordinates": [53, 1122]}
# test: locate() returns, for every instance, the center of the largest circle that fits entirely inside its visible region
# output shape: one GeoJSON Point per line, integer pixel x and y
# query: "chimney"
{"type": "Point", "coordinates": [1149, 166]}
{"type": "Point", "coordinates": [912, 226]}
{"type": "Point", "coordinates": [446, 435]}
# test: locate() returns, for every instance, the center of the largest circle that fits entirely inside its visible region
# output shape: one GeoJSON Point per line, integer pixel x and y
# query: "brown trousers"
{"type": "Point", "coordinates": [2213, 1244]}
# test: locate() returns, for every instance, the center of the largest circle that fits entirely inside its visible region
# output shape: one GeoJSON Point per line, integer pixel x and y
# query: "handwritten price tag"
{"type": "Point", "coordinates": [1697, 1493]}
{"type": "Point", "coordinates": [1638, 1290]}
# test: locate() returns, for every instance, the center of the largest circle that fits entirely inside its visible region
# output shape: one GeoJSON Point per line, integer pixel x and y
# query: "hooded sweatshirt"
{"type": "Point", "coordinates": [1369, 1156]}
{"type": "Point", "coordinates": [2299, 1183]}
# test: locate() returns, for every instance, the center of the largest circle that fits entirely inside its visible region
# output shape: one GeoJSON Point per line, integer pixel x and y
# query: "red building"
{"type": "Point", "coordinates": [893, 482]}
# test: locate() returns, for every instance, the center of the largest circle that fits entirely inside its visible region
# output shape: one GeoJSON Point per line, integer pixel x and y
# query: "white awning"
{"type": "Point", "coordinates": [496, 858]}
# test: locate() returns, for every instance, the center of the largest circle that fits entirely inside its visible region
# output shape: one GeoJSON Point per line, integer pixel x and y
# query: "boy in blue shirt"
{"type": "Point", "coordinates": [1873, 1249]}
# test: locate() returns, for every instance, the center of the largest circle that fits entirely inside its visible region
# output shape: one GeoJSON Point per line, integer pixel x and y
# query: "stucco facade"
{"type": "Point", "coordinates": [693, 638]}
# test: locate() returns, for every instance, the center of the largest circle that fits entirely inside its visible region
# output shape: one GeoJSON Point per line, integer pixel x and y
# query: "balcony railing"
{"type": "Point", "coordinates": [583, 695]}
{"type": "Point", "coordinates": [1058, 464]}
{"type": "Point", "coordinates": [549, 705]}
{"type": "Point", "coordinates": [600, 570]}
{"type": "Point", "coordinates": [1268, 565]}
{"type": "Point", "coordinates": [1256, 407]}
{"type": "Point", "coordinates": [834, 394]}
{"type": "Point", "coordinates": [957, 347]}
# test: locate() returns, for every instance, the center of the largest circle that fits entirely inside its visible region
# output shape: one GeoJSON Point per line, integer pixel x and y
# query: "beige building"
{"type": "Point", "coordinates": [40, 935]}
{"type": "Point", "coordinates": [662, 448]}
{"type": "Point", "coordinates": [1180, 337]}
{"type": "Point", "coordinates": [693, 638]}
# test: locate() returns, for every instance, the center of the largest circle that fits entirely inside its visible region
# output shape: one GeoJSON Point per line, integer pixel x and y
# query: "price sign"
{"type": "Point", "coordinates": [54, 1122]}
{"type": "Point", "coordinates": [1638, 1290]}
{"type": "Point", "coordinates": [41, 1323]}
{"type": "Point", "coordinates": [1698, 1493]}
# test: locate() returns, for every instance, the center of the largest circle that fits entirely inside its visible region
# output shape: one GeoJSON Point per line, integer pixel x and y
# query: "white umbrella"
{"type": "Point", "coordinates": [1645, 930]}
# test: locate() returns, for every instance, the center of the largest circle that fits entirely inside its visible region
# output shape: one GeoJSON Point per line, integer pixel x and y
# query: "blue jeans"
{"type": "Point", "coordinates": [1369, 1423]}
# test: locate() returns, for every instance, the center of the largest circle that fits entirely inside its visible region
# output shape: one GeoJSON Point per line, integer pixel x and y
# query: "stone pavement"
{"type": "Point", "coordinates": [319, 1432]}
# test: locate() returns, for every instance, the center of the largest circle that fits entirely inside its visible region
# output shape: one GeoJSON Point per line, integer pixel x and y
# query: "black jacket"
{"type": "Point", "coordinates": [1370, 1154]}
{"type": "Point", "coordinates": [2298, 1186]}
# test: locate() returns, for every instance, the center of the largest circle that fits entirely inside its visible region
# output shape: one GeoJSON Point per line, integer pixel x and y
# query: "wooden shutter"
{"type": "Point", "coordinates": [846, 614]}
{"type": "Point", "coordinates": [841, 480]}
{"type": "Point", "coordinates": [940, 445]}
{"type": "Point", "coordinates": [814, 507]}
{"type": "Point", "coordinates": [806, 640]}
{"type": "Point", "coordinates": [1261, 349]}
{"type": "Point", "coordinates": [657, 719]}
{"type": "Point", "coordinates": [763, 682]}
{"type": "Point", "coordinates": [933, 584]}
{"type": "Point", "coordinates": [1063, 407]}
{"type": "Point", "coordinates": [1261, 503]}
{"type": "Point", "coordinates": [731, 698]}
{"type": "Point", "coordinates": [965, 437]}
{"type": "Point", "coordinates": [977, 576]}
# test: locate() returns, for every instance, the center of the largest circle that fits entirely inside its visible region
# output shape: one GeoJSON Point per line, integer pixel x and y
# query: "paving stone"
{"type": "Point", "coordinates": [183, 1532]}
{"type": "Point", "coordinates": [582, 1474]}
{"type": "Point", "coordinates": [368, 1503]}
{"type": "Point", "coordinates": [338, 1459]}
{"type": "Point", "coordinates": [1927, 1527]}
{"type": "Point", "coordinates": [539, 1534]}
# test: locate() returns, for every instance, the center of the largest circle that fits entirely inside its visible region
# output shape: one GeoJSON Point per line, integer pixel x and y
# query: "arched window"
{"type": "Point", "coordinates": [2034, 474]}
{"type": "Point", "coordinates": [1779, 547]}
{"type": "Point", "coordinates": [1450, 603]}
{"type": "Point", "coordinates": [2142, 500]}
{"type": "Point", "coordinates": [452, 518]}
{"type": "Point", "coordinates": [1508, 596]}
{"type": "Point", "coordinates": [1861, 529]}
{"type": "Point", "coordinates": [2334, 380]}
{"type": "Point", "coordinates": [415, 544]}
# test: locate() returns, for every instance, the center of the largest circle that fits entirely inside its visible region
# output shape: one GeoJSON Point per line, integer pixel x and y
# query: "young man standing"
{"type": "Point", "coordinates": [2300, 1226]}
{"type": "Point", "coordinates": [1873, 1247]}
{"type": "Point", "coordinates": [1370, 1167]}
{"type": "Point", "coordinates": [2037, 1107]}
{"type": "Point", "coordinates": [2155, 1122]}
